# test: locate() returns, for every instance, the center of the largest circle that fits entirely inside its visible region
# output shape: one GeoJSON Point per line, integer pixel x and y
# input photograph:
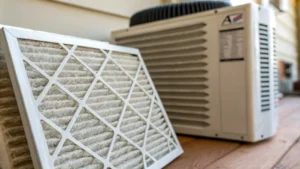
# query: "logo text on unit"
{"type": "Point", "coordinates": [232, 19]}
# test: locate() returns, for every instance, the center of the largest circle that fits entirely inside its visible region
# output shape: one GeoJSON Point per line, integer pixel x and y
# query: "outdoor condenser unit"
{"type": "Point", "coordinates": [216, 71]}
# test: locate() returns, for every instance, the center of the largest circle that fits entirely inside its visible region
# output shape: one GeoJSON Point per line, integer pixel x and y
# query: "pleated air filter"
{"type": "Point", "coordinates": [73, 103]}
{"type": "Point", "coordinates": [215, 71]}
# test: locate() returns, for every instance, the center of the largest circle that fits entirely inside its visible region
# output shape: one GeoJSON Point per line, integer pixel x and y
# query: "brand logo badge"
{"type": "Point", "coordinates": [232, 19]}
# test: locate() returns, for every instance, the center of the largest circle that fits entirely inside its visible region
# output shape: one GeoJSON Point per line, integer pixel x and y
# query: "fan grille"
{"type": "Point", "coordinates": [175, 10]}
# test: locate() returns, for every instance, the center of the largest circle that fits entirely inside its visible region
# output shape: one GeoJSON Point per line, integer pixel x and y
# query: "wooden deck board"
{"type": "Point", "coordinates": [199, 153]}
{"type": "Point", "coordinates": [291, 159]}
{"type": "Point", "coordinates": [288, 106]}
{"type": "Point", "coordinates": [203, 153]}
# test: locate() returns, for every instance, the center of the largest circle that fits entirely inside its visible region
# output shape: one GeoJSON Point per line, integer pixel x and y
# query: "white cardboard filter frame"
{"type": "Point", "coordinates": [28, 104]}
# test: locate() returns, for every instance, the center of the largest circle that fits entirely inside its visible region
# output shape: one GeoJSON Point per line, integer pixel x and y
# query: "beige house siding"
{"type": "Point", "coordinates": [67, 19]}
{"type": "Point", "coordinates": [287, 43]}
{"type": "Point", "coordinates": [297, 4]}
{"type": "Point", "coordinates": [287, 39]}
{"type": "Point", "coordinates": [287, 46]}
{"type": "Point", "coordinates": [124, 8]}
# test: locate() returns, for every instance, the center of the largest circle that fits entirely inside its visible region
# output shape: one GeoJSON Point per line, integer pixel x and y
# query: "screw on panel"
{"type": "Point", "coordinates": [216, 135]}
{"type": "Point", "coordinates": [262, 136]}
{"type": "Point", "coordinates": [242, 137]}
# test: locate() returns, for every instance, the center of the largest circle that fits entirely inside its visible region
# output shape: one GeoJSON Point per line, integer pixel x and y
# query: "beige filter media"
{"type": "Point", "coordinates": [97, 109]}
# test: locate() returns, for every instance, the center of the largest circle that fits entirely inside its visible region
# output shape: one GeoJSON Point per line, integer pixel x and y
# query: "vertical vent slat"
{"type": "Point", "coordinates": [264, 56]}
{"type": "Point", "coordinates": [276, 72]}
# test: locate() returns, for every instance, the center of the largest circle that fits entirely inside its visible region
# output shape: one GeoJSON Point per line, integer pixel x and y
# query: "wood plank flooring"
{"type": "Point", "coordinates": [280, 152]}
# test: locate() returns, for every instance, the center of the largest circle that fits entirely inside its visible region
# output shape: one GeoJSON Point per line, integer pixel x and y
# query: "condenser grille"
{"type": "Point", "coordinates": [276, 72]}
{"type": "Point", "coordinates": [177, 61]}
{"type": "Point", "coordinates": [96, 106]}
{"type": "Point", "coordinates": [264, 54]}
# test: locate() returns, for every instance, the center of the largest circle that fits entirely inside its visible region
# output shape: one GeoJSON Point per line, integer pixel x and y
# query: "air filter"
{"type": "Point", "coordinates": [73, 103]}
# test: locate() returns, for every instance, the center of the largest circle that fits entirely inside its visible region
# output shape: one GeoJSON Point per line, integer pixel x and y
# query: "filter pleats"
{"type": "Point", "coordinates": [140, 101]}
{"type": "Point", "coordinates": [92, 57]}
{"type": "Point", "coordinates": [172, 142]}
{"type": "Point", "coordinates": [116, 78]}
{"type": "Point", "coordinates": [93, 133]}
{"type": "Point", "coordinates": [58, 107]}
{"type": "Point", "coordinates": [47, 56]}
{"type": "Point", "coordinates": [36, 79]}
{"type": "Point", "coordinates": [127, 61]}
{"type": "Point", "coordinates": [134, 127]}
{"type": "Point", "coordinates": [52, 136]}
{"type": "Point", "coordinates": [76, 78]}
{"type": "Point", "coordinates": [72, 156]}
{"type": "Point", "coordinates": [149, 161]}
{"type": "Point", "coordinates": [144, 82]}
{"type": "Point", "coordinates": [68, 46]}
{"type": "Point", "coordinates": [158, 119]}
{"type": "Point", "coordinates": [156, 144]}
{"type": "Point", "coordinates": [107, 104]}
{"type": "Point", "coordinates": [125, 155]}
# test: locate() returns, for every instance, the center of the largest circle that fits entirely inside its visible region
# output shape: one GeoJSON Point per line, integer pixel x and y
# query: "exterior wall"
{"type": "Point", "coordinates": [66, 19]}
{"type": "Point", "coordinates": [116, 7]}
{"type": "Point", "coordinates": [287, 37]}
{"type": "Point", "coordinates": [297, 4]}
{"type": "Point", "coordinates": [287, 49]}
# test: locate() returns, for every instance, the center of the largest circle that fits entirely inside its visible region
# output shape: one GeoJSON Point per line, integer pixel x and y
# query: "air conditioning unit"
{"type": "Point", "coordinates": [216, 71]}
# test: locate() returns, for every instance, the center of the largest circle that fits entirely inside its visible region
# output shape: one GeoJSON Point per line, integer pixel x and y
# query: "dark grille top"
{"type": "Point", "coordinates": [175, 10]}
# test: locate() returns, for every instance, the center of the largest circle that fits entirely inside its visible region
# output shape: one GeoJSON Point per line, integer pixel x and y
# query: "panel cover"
{"type": "Point", "coordinates": [178, 61]}
{"type": "Point", "coordinates": [87, 104]}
